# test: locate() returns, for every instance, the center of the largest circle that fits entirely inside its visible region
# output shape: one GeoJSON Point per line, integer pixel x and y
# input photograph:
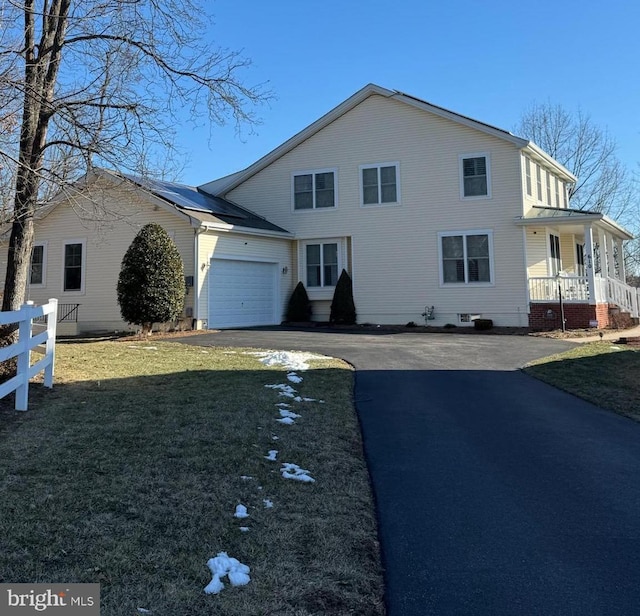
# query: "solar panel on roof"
{"type": "Point", "coordinates": [187, 198]}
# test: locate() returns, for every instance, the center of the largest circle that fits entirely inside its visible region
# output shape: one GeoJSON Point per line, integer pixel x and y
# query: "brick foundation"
{"type": "Point", "coordinates": [545, 317]}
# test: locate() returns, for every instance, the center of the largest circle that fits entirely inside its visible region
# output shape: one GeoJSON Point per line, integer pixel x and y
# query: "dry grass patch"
{"type": "Point", "coordinates": [601, 372]}
{"type": "Point", "coordinates": [128, 474]}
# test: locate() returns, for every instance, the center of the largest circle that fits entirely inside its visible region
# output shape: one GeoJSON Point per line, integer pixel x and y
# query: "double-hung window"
{"type": "Point", "coordinates": [380, 183]}
{"type": "Point", "coordinates": [527, 163]}
{"type": "Point", "coordinates": [554, 252]}
{"type": "Point", "coordinates": [475, 175]}
{"type": "Point", "coordinates": [36, 274]}
{"type": "Point", "coordinates": [322, 264]}
{"type": "Point", "coordinates": [73, 273]}
{"type": "Point", "coordinates": [314, 189]}
{"type": "Point", "coordinates": [549, 202]}
{"type": "Point", "coordinates": [466, 257]}
{"type": "Point", "coordinates": [558, 203]}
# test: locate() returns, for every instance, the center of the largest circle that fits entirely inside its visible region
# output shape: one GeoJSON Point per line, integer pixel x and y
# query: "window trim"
{"type": "Point", "coordinates": [466, 284]}
{"type": "Point", "coordinates": [83, 268]}
{"type": "Point", "coordinates": [302, 274]}
{"type": "Point", "coordinates": [539, 182]}
{"type": "Point", "coordinates": [557, 188]}
{"type": "Point", "coordinates": [313, 173]}
{"type": "Point", "coordinates": [528, 178]}
{"type": "Point", "coordinates": [549, 191]}
{"type": "Point", "coordinates": [43, 284]}
{"type": "Point", "coordinates": [378, 166]}
{"type": "Point", "coordinates": [551, 260]}
{"type": "Point", "coordinates": [461, 159]}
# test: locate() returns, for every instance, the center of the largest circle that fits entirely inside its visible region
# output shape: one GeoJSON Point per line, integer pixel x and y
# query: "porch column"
{"type": "Point", "coordinates": [591, 278]}
{"type": "Point", "coordinates": [604, 258]}
{"type": "Point", "coordinates": [611, 261]}
{"type": "Point", "coordinates": [623, 273]}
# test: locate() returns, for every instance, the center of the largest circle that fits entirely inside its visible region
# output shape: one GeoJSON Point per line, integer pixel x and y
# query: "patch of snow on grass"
{"type": "Point", "coordinates": [275, 438]}
{"type": "Point", "coordinates": [241, 512]}
{"type": "Point", "coordinates": [293, 471]}
{"type": "Point", "coordinates": [292, 360]}
{"type": "Point", "coordinates": [283, 389]}
{"type": "Point", "coordinates": [290, 414]}
{"type": "Point", "coordinates": [268, 503]}
{"type": "Point", "coordinates": [223, 565]}
{"type": "Point", "coordinates": [273, 453]}
{"type": "Point", "coordinates": [246, 477]}
{"type": "Point", "coordinates": [294, 378]}
{"type": "Point", "coordinates": [287, 421]}
{"type": "Point", "coordinates": [244, 529]}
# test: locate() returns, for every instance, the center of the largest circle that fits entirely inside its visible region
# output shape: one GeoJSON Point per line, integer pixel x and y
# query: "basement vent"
{"type": "Point", "coordinates": [468, 318]}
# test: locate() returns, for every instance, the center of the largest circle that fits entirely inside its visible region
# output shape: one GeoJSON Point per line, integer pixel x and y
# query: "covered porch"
{"type": "Point", "coordinates": [577, 257]}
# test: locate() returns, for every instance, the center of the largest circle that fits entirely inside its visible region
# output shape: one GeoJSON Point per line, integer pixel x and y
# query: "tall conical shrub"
{"type": "Point", "coordinates": [343, 310]}
{"type": "Point", "coordinates": [151, 285]}
{"type": "Point", "coordinates": [299, 307]}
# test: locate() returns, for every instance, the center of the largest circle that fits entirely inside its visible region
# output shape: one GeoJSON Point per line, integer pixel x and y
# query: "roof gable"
{"type": "Point", "coordinates": [223, 185]}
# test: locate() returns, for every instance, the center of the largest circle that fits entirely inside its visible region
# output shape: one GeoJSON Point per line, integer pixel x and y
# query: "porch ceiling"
{"type": "Point", "coordinates": [572, 221]}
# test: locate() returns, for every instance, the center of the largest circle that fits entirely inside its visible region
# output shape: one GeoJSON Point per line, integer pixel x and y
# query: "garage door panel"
{"type": "Point", "coordinates": [242, 293]}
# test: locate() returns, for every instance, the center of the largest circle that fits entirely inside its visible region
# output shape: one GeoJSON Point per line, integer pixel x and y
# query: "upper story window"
{"type": "Point", "coordinates": [73, 274]}
{"type": "Point", "coordinates": [475, 176]}
{"type": "Point", "coordinates": [466, 257]}
{"type": "Point", "coordinates": [314, 189]}
{"type": "Point", "coordinates": [557, 192]}
{"type": "Point", "coordinates": [549, 202]}
{"type": "Point", "coordinates": [527, 165]}
{"type": "Point", "coordinates": [380, 184]}
{"type": "Point", "coordinates": [38, 265]}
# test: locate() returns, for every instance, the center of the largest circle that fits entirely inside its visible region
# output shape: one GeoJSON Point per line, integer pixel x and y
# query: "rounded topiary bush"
{"type": "Point", "coordinates": [343, 309]}
{"type": "Point", "coordinates": [151, 285]}
{"type": "Point", "coordinates": [299, 307]}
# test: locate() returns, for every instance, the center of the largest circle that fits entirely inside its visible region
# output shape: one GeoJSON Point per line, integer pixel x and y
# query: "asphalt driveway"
{"type": "Point", "coordinates": [496, 494]}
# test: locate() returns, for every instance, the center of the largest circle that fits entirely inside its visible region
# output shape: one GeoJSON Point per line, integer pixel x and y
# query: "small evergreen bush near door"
{"type": "Point", "coordinates": [151, 285]}
{"type": "Point", "coordinates": [343, 310]}
{"type": "Point", "coordinates": [299, 308]}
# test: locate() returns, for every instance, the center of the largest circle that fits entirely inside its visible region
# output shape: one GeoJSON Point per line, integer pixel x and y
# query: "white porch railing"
{"type": "Point", "coordinates": [628, 298]}
{"type": "Point", "coordinates": [576, 289]}
{"type": "Point", "coordinates": [545, 289]}
{"type": "Point", "coordinates": [22, 349]}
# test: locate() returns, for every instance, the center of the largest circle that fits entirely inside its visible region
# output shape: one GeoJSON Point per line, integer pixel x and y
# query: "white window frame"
{"type": "Point", "coordinates": [313, 173]}
{"type": "Point", "coordinates": [461, 159]}
{"type": "Point", "coordinates": [466, 283]}
{"type": "Point", "coordinates": [558, 204]}
{"type": "Point", "coordinates": [551, 261]}
{"type": "Point", "coordinates": [83, 269]}
{"type": "Point", "coordinates": [549, 191]}
{"type": "Point", "coordinates": [303, 264]}
{"type": "Point", "coordinates": [42, 284]}
{"type": "Point", "coordinates": [539, 183]}
{"type": "Point", "coordinates": [528, 178]}
{"type": "Point", "coordinates": [378, 166]}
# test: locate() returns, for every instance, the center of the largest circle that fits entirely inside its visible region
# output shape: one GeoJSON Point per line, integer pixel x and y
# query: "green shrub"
{"type": "Point", "coordinates": [299, 307]}
{"type": "Point", "coordinates": [151, 285]}
{"type": "Point", "coordinates": [343, 310]}
{"type": "Point", "coordinates": [482, 324]}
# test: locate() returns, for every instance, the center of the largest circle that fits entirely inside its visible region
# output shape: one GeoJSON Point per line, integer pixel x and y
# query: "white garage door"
{"type": "Point", "coordinates": [242, 293]}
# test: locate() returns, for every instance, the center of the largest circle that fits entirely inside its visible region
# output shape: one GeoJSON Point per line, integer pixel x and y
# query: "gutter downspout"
{"type": "Point", "coordinates": [196, 276]}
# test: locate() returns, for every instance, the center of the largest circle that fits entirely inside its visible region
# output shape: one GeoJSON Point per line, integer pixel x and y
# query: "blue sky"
{"type": "Point", "coordinates": [488, 60]}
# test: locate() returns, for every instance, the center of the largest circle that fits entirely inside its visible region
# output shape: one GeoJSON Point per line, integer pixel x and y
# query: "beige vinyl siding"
{"type": "Point", "coordinates": [123, 212]}
{"type": "Point", "coordinates": [568, 252]}
{"type": "Point", "coordinates": [394, 249]}
{"type": "Point", "coordinates": [530, 200]}
{"type": "Point", "coordinates": [222, 245]}
{"type": "Point", "coordinates": [537, 252]}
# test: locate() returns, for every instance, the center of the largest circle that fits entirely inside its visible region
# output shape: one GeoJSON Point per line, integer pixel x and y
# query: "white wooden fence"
{"type": "Point", "coordinates": [22, 349]}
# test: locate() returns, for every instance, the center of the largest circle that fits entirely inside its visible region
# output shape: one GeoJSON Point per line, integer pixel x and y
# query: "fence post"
{"type": "Point", "coordinates": [24, 358]}
{"type": "Point", "coordinates": [50, 349]}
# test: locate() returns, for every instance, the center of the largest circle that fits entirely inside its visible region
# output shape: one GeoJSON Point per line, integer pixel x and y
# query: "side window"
{"type": "Point", "coordinates": [528, 176]}
{"type": "Point", "coordinates": [475, 176]}
{"type": "Point", "coordinates": [322, 264]}
{"type": "Point", "coordinates": [73, 266]}
{"type": "Point", "coordinates": [539, 182]}
{"type": "Point", "coordinates": [554, 251]}
{"type": "Point", "coordinates": [314, 190]}
{"type": "Point", "coordinates": [466, 258]}
{"type": "Point", "coordinates": [36, 275]}
{"type": "Point", "coordinates": [379, 184]}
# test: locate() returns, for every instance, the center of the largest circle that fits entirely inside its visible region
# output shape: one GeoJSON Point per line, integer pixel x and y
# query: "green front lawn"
{"type": "Point", "coordinates": [129, 471]}
{"type": "Point", "coordinates": [601, 372]}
